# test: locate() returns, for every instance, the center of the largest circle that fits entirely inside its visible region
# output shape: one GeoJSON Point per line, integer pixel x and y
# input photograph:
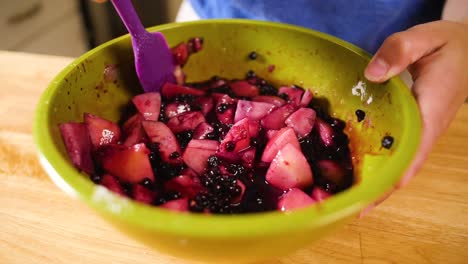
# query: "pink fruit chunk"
{"type": "Point", "coordinates": [331, 170]}
{"type": "Point", "coordinates": [248, 157]}
{"type": "Point", "coordinates": [186, 185]}
{"type": "Point", "coordinates": [159, 133]}
{"type": "Point", "coordinates": [237, 138]}
{"type": "Point", "coordinates": [275, 119]}
{"type": "Point", "coordinates": [78, 144]}
{"type": "Point", "coordinates": [202, 130]}
{"type": "Point", "coordinates": [149, 105]}
{"type": "Point", "coordinates": [244, 89]}
{"type": "Point", "coordinates": [306, 98]}
{"type": "Point", "coordinates": [133, 131]}
{"type": "Point", "coordinates": [179, 75]}
{"type": "Point", "coordinates": [143, 194]}
{"type": "Point", "coordinates": [180, 53]}
{"type": "Point", "coordinates": [289, 169]}
{"type": "Point", "coordinates": [227, 115]}
{"type": "Point", "coordinates": [205, 103]}
{"type": "Point", "coordinates": [241, 195]}
{"type": "Point", "coordinates": [174, 109]}
{"type": "Point", "coordinates": [171, 90]}
{"type": "Point", "coordinates": [113, 184]}
{"type": "Point", "coordinates": [271, 133]}
{"type": "Point", "coordinates": [254, 128]}
{"type": "Point", "coordinates": [197, 153]}
{"type": "Point", "coordinates": [271, 99]}
{"type": "Point", "coordinates": [101, 131]}
{"type": "Point", "coordinates": [130, 164]}
{"type": "Point", "coordinates": [185, 121]}
{"type": "Point", "coordinates": [179, 205]}
{"type": "Point", "coordinates": [294, 94]}
{"type": "Point", "coordinates": [294, 199]}
{"type": "Point", "coordinates": [319, 194]}
{"type": "Point", "coordinates": [302, 121]}
{"type": "Point", "coordinates": [282, 138]}
{"type": "Point", "coordinates": [252, 110]}
{"type": "Point", "coordinates": [325, 132]}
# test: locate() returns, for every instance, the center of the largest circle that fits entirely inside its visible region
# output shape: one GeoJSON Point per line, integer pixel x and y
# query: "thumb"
{"type": "Point", "coordinates": [403, 49]}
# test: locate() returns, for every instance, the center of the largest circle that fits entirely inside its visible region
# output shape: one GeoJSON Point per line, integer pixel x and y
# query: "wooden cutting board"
{"type": "Point", "coordinates": [427, 222]}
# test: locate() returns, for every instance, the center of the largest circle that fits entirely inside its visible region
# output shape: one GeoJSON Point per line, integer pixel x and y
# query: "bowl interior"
{"type": "Point", "coordinates": [328, 66]}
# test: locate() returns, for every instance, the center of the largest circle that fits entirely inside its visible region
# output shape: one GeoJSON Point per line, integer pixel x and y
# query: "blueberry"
{"type": "Point", "coordinates": [174, 155]}
{"type": "Point", "coordinates": [95, 178]}
{"type": "Point", "coordinates": [252, 55]}
{"type": "Point", "coordinates": [222, 108]}
{"type": "Point", "coordinates": [387, 142]}
{"type": "Point", "coordinates": [250, 74]}
{"type": "Point", "coordinates": [360, 115]}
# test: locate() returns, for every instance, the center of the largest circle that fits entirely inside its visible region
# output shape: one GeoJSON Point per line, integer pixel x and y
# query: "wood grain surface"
{"type": "Point", "coordinates": [426, 222]}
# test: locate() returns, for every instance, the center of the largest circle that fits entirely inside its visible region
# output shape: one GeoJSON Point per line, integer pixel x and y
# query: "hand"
{"type": "Point", "coordinates": [436, 55]}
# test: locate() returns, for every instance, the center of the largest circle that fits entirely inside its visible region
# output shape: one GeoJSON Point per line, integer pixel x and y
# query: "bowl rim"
{"type": "Point", "coordinates": [343, 205]}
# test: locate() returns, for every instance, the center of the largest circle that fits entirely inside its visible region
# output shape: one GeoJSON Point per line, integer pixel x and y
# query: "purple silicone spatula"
{"type": "Point", "coordinates": [153, 59]}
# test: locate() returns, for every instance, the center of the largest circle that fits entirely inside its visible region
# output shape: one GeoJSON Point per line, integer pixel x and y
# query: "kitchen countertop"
{"type": "Point", "coordinates": [426, 222]}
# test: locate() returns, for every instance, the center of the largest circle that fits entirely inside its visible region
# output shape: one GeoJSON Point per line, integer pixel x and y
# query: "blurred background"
{"type": "Point", "coordinates": [71, 27]}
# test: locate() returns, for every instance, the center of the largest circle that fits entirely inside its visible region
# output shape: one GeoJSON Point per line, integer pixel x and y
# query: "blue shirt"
{"type": "Point", "coordinates": [365, 23]}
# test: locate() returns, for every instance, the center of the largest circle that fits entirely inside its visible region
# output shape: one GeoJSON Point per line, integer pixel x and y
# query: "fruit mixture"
{"type": "Point", "coordinates": [218, 146]}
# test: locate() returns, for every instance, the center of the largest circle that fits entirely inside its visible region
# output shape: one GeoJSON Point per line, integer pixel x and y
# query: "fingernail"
{"type": "Point", "coordinates": [376, 70]}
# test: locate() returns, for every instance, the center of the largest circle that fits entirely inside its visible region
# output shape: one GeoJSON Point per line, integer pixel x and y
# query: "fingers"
{"type": "Point", "coordinates": [403, 49]}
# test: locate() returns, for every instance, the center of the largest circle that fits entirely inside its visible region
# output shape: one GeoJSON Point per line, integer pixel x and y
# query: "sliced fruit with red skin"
{"type": "Point", "coordinates": [101, 131]}
{"type": "Point", "coordinates": [143, 194]}
{"type": "Point", "coordinates": [179, 205]}
{"type": "Point", "coordinates": [244, 89]}
{"type": "Point", "coordinates": [179, 75]}
{"type": "Point", "coordinates": [159, 133]}
{"type": "Point", "coordinates": [332, 171]}
{"type": "Point", "coordinates": [237, 138]}
{"type": "Point", "coordinates": [254, 128]}
{"type": "Point", "coordinates": [113, 184]}
{"type": "Point", "coordinates": [294, 199]}
{"type": "Point", "coordinates": [174, 109]}
{"type": "Point", "coordinates": [294, 94]}
{"type": "Point", "coordinates": [171, 90]}
{"type": "Point", "coordinates": [130, 164]}
{"type": "Point", "coordinates": [180, 53]}
{"type": "Point", "coordinates": [302, 121]}
{"type": "Point", "coordinates": [275, 119]}
{"type": "Point", "coordinates": [319, 194]}
{"type": "Point", "coordinates": [133, 131]}
{"type": "Point", "coordinates": [237, 199]}
{"type": "Point", "coordinates": [325, 132]}
{"type": "Point", "coordinates": [271, 133]}
{"type": "Point", "coordinates": [306, 98]}
{"type": "Point", "coordinates": [185, 121]}
{"type": "Point", "coordinates": [278, 141]}
{"type": "Point", "coordinates": [289, 169]}
{"type": "Point", "coordinates": [228, 156]}
{"type": "Point", "coordinates": [252, 110]}
{"type": "Point", "coordinates": [197, 153]}
{"type": "Point", "coordinates": [78, 144]}
{"type": "Point", "coordinates": [202, 130]}
{"type": "Point", "coordinates": [248, 157]}
{"type": "Point", "coordinates": [205, 103]}
{"type": "Point", "coordinates": [271, 99]}
{"type": "Point", "coordinates": [186, 185]}
{"type": "Point", "coordinates": [148, 104]}
{"type": "Point", "coordinates": [227, 115]}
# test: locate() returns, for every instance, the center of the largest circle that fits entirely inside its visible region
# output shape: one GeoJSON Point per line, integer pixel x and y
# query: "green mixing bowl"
{"type": "Point", "coordinates": [327, 65]}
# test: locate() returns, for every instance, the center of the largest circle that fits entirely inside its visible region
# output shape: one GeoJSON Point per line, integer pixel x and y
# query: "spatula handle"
{"type": "Point", "coordinates": [130, 18]}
